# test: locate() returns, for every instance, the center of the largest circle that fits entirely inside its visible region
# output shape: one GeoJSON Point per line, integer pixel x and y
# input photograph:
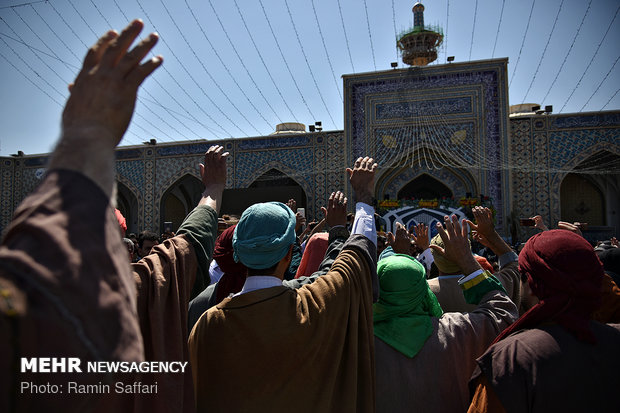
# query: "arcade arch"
{"type": "Point", "coordinates": [179, 199]}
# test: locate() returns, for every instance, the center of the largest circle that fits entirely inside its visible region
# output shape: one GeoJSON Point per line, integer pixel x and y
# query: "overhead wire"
{"type": "Point", "coordinates": [395, 31]}
{"type": "Point", "coordinates": [544, 53]}
{"type": "Point", "coordinates": [346, 38]}
{"type": "Point", "coordinates": [23, 4]}
{"type": "Point", "coordinates": [372, 48]}
{"type": "Point", "coordinates": [499, 24]}
{"type": "Point", "coordinates": [247, 71]}
{"type": "Point", "coordinates": [288, 68]}
{"type": "Point", "coordinates": [54, 33]}
{"type": "Point", "coordinates": [165, 89]}
{"type": "Point", "coordinates": [527, 27]}
{"type": "Point", "coordinates": [600, 84]}
{"type": "Point", "coordinates": [83, 19]}
{"type": "Point", "coordinates": [54, 55]}
{"type": "Point", "coordinates": [39, 50]}
{"type": "Point", "coordinates": [260, 56]}
{"type": "Point", "coordinates": [179, 61]}
{"type": "Point", "coordinates": [35, 55]}
{"type": "Point", "coordinates": [592, 59]}
{"type": "Point", "coordinates": [28, 78]}
{"type": "Point", "coordinates": [316, 85]}
{"type": "Point", "coordinates": [329, 61]}
{"type": "Point", "coordinates": [610, 99]}
{"type": "Point", "coordinates": [33, 70]}
{"type": "Point", "coordinates": [473, 30]}
{"type": "Point", "coordinates": [568, 53]}
{"type": "Point", "coordinates": [445, 38]}
{"type": "Point", "coordinates": [215, 82]}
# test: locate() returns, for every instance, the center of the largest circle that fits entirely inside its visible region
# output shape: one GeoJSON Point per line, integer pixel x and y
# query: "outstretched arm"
{"type": "Point", "coordinates": [101, 104]}
{"type": "Point", "coordinates": [213, 174]}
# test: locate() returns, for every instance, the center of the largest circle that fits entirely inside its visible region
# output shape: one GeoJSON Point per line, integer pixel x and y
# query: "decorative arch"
{"type": "Point", "coordinates": [607, 184]}
{"type": "Point", "coordinates": [425, 187]}
{"type": "Point", "coordinates": [581, 200]}
{"type": "Point", "coordinates": [407, 169]}
{"type": "Point", "coordinates": [286, 170]}
{"type": "Point", "coordinates": [179, 199]}
{"type": "Point", "coordinates": [272, 185]}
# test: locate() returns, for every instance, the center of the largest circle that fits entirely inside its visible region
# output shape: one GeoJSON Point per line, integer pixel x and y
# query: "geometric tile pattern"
{"type": "Point", "coordinates": [471, 98]}
{"type": "Point", "coordinates": [547, 148]}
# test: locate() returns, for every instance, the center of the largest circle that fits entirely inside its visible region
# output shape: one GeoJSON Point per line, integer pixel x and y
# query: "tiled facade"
{"type": "Point", "coordinates": [382, 111]}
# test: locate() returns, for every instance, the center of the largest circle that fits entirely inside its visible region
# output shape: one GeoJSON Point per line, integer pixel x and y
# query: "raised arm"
{"type": "Point", "coordinates": [485, 231]}
{"type": "Point", "coordinates": [101, 104]}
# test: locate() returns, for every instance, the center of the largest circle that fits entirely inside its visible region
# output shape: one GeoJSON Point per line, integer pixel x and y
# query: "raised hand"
{"type": "Point", "coordinates": [213, 174]}
{"type": "Point", "coordinates": [101, 103]}
{"type": "Point", "coordinates": [402, 240]}
{"type": "Point", "coordinates": [484, 221]}
{"type": "Point", "coordinates": [457, 248]}
{"type": "Point", "coordinates": [362, 178]}
{"type": "Point", "coordinates": [420, 237]}
{"type": "Point", "coordinates": [213, 168]}
{"type": "Point", "coordinates": [336, 211]}
{"type": "Point", "coordinates": [103, 94]}
{"type": "Point", "coordinates": [539, 223]}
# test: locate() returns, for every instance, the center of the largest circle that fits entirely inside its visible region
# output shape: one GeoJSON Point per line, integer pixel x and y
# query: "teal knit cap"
{"type": "Point", "coordinates": [264, 235]}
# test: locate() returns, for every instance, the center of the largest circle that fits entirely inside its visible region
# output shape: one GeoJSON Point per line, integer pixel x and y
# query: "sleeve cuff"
{"type": "Point", "coordinates": [477, 284]}
{"type": "Point", "coordinates": [507, 258]}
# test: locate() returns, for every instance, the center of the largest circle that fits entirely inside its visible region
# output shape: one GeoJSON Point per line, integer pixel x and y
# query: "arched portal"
{"type": "Point", "coordinates": [273, 185]}
{"type": "Point", "coordinates": [127, 203]}
{"type": "Point", "coordinates": [179, 200]}
{"type": "Point", "coordinates": [581, 200]}
{"type": "Point", "coordinates": [425, 187]}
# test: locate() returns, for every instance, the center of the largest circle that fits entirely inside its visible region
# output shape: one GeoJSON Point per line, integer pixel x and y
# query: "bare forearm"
{"type": "Point", "coordinates": [212, 196]}
{"type": "Point", "coordinates": [497, 244]}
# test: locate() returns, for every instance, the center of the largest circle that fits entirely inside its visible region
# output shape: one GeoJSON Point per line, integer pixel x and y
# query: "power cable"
{"type": "Point", "coordinates": [592, 59]}
{"type": "Point", "coordinates": [527, 27]}
{"type": "Point", "coordinates": [567, 53]}
{"type": "Point", "coordinates": [247, 71]}
{"type": "Point", "coordinates": [544, 53]}
{"type": "Point", "coordinates": [473, 29]}
{"type": "Point", "coordinates": [346, 38]}
{"type": "Point", "coordinates": [207, 71]}
{"type": "Point", "coordinates": [372, 48]}
{"type": "Point", "coordinates": [260, 56]}
{"type": "Point", "coordinates": [318, 25]}
{"type": "Point", "coordinates": [192, 78]}
{"type": "Point", "coordinates": [499, 24]}
{"type": "Point", "coordinates": [285, 61]}
{"type": "Point", "coordinates": [600, 84]}
{"type": "Point", "coordinates": [316, 85]}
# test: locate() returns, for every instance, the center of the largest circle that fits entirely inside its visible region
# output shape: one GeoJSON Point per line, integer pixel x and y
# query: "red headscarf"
{"type": "Point", "coordinates": [234, 272]}
{"type": "Point", "coordinates": [313, 254]}
{"type": "Point", "coordinates": [566, 275]}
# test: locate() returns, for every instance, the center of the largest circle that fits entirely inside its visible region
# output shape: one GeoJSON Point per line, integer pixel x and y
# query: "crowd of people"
{"type": "Point", "coordinates": [272, 316]}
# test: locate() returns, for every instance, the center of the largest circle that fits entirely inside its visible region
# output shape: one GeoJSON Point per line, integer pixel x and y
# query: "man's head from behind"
{"type": "Point", "coordinates": [264, 236]}
{"type": "Point", "coordinates": [565, 274]}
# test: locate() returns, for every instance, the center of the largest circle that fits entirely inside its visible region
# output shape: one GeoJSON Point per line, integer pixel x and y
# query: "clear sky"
{"type": "Point", "coordinates": [225, 75]}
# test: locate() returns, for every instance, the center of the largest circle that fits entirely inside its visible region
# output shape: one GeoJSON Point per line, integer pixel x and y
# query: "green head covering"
{"type": "Point", "coordinates": [264, 235]}
{"type": "Point", "coordinates": [402, 316]}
